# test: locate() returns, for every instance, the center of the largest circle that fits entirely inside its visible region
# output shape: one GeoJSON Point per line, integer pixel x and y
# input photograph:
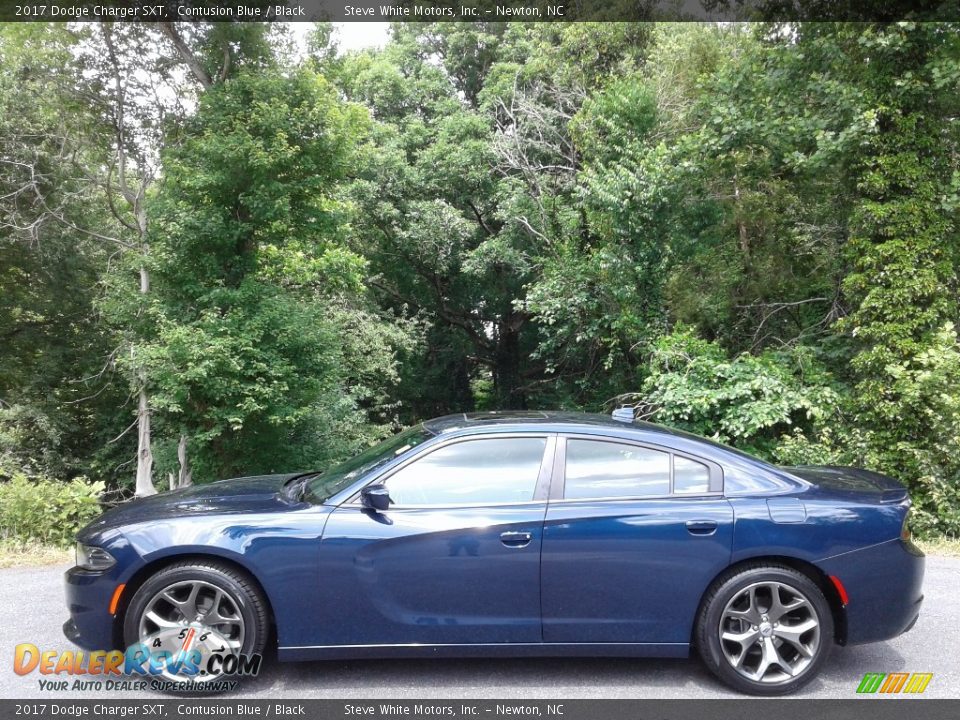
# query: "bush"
{"type": "Point", "coordinates": [786, 408]}
{"type": "Point", "coordinates": [749, 401]}
{"type": "Point", "coordinates": [45, 510]}
{"type": "Point", "coordinates": [912, 420]}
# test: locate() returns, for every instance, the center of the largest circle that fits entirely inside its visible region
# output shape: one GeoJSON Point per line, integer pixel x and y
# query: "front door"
{"type": "Point", "coordinates": [456, 557]}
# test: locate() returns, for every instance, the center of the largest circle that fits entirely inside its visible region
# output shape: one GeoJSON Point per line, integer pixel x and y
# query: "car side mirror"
{"type": "Point", "coordinates": [375, 497]}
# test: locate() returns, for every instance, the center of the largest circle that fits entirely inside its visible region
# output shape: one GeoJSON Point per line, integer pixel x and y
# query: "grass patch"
{"type": "Point", "coordinates": [949, 546]}
{"type": "Point", "coordinates": [16, 553]}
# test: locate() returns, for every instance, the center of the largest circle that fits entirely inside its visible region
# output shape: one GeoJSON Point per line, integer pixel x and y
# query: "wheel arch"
{"type": "Point", "coordinates": [807, 568]}
{"type": "Point", "coordinates": [157, 564]}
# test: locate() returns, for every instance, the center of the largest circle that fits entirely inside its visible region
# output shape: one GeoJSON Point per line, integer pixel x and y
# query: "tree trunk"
{"type": "Point", "coordinates": [506, 374]}
{"type": "Point", "coordinates": [196, 67]}
{"type": "Point", "coordinates": [186, 472]}
{"type": "Point", "coordinates": [144, 455]}
{"type": "Point", "coordinates": [742, 233]}
{"type": "Point", "coordinates": [136, 199]}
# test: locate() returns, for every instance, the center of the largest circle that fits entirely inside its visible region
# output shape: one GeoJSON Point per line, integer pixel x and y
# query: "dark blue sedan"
{"type": "Point", "coordinates": [516, 534]}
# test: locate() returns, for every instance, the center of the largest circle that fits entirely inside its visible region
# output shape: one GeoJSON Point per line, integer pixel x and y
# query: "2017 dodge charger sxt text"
{"type": "Point", "coordinates": [512, 534]}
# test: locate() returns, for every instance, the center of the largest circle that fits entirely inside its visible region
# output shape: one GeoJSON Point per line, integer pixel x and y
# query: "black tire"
{"type": "Point", "coordinates": [241, 589]}
{"type": "Point", "coordinates": [737, 584]}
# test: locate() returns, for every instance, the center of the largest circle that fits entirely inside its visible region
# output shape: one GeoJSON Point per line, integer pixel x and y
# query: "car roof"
{"type": "Point", "coordinates": [541, 419]}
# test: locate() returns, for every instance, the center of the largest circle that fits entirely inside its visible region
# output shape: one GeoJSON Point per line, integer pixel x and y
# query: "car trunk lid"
{"type": "Point", "coordinates": [851, 480]}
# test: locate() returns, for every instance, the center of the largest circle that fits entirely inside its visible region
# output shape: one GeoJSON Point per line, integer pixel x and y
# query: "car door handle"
{"type": "Point", "coordinates": [516, 539]}
{"type": "Point", "coordinates": [701, 527]}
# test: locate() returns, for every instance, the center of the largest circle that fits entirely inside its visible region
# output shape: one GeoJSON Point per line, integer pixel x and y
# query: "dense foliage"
{"type": "Point", "coordinates": [747, 231]}
{"type": "Point", "coordinates": [46, 511]}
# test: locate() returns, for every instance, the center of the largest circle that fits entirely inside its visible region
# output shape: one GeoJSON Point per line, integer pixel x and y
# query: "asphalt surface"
{"type": "Point", "coordinates": [33, 605]}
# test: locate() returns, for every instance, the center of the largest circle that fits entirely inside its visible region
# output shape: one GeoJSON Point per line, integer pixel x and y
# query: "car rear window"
{"type": "Point", "coordinates": [601, 469]}
{"type": "Point", "coordinates": [690, 476]}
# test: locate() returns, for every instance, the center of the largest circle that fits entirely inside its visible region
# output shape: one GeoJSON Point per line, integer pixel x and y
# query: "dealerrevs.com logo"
{"type": "Point", "coordinates": [892, 683]}
{"type": "Point", "coordinates": [191, 658]}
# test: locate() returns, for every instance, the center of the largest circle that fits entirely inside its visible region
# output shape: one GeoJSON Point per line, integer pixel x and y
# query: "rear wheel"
{"type": "Point", "coordinates": [765, 629]}
{"type": "Point", "coordinates": [204, 607]}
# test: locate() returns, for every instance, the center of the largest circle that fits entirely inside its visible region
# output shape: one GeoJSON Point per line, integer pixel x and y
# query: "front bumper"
{"type": "Point", "coordinates": [91, 626]}
{"type": "Point", "coordinates": [884, 585]}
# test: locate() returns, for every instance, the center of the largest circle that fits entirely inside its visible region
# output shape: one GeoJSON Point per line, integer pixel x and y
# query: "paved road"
{"type": "Point", "coordinates": [32, 601]}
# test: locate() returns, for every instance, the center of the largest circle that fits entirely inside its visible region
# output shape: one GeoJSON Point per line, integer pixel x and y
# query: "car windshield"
{"type": "Point", "coordinates": [327, 484]}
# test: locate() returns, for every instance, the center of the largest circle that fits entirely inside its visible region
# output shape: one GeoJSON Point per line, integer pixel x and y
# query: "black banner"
{"type": "Point", "coordinates": [874, 708]}
{"type": "Point", "coordinates": [476, 10]}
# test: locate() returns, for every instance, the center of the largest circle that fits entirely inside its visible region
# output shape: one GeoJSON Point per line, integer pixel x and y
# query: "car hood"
{"type": "Point", "coordinates": [246, 494]}
{"type": "Point", "coordinates": [852, 481]}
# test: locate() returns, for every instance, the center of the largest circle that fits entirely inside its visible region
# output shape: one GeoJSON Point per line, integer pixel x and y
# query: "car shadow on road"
{"type": "Point", "coordinates": [850, 663]}
{"type": "Point", "coordinates": [482, 677]}
{"type": "Point", "coordinates": [542, 677]}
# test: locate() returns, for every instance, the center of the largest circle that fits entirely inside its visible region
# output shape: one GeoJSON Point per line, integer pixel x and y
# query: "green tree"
{"type": "Point", "coordinates": [903, 251]}
{"type": "Point", "coordinates": [750, 401]}
{"type": "Point", "coordinates": [471, 191]}
{"type": "Point", "coordinates": [266, 354]}
{"type": "Point", "coordinates": [60, 402]}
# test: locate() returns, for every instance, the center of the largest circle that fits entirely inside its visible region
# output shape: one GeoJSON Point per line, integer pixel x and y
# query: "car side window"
{"type": "Point", "coordinates": [601, 469]}
{"type": "Point", "coordinates": [473, 472]}
{"type": "Point", "coordinates": [690, 476]}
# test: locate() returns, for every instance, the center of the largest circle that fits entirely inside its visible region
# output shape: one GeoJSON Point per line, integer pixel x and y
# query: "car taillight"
{"type": "Point", "coordinates": [905, 533]}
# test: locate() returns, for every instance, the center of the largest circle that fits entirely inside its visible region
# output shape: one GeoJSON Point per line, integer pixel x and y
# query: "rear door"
{"type": "Point", "coordinates": [456, 557]}
{"type": "Point", "coordinates": [634, 533]}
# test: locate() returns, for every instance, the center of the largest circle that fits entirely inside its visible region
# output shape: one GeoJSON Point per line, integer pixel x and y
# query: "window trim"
{"type": "Point", "coordinates": [540, 492]}
{"type": "Point", "coordinates": [558, 487]}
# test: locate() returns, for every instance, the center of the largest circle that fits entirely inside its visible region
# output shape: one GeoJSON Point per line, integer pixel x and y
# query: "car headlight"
{"type": "Point", "coordinates": [93, 558]}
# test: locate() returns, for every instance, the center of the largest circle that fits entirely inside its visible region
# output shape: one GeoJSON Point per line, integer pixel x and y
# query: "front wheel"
{"type": "Point", "coordinates": [196, 610]}
{"type": "Point", "coordinates": [765, 629]}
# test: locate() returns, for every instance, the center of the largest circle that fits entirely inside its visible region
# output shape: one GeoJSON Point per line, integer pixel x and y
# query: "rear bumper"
{"type": "Point", "coordinates": [884, 586]}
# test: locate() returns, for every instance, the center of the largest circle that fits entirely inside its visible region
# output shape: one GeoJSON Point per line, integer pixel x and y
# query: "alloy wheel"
{"type": "Point", "coordinates": [769, 632]}
{"type": "Point", "coordinates": [211, 612]}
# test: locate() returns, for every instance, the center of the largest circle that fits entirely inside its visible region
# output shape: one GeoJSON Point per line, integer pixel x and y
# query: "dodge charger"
{"type": "Point", "coordinates": [514, 534]}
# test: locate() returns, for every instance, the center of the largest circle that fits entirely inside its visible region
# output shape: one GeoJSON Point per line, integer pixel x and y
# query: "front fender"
{"type": "Point", "coordinates": [281, 552]}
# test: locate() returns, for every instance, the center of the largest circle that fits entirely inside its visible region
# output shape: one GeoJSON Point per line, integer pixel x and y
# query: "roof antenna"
{"type": "Point", "coordinates": [623, 414]}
